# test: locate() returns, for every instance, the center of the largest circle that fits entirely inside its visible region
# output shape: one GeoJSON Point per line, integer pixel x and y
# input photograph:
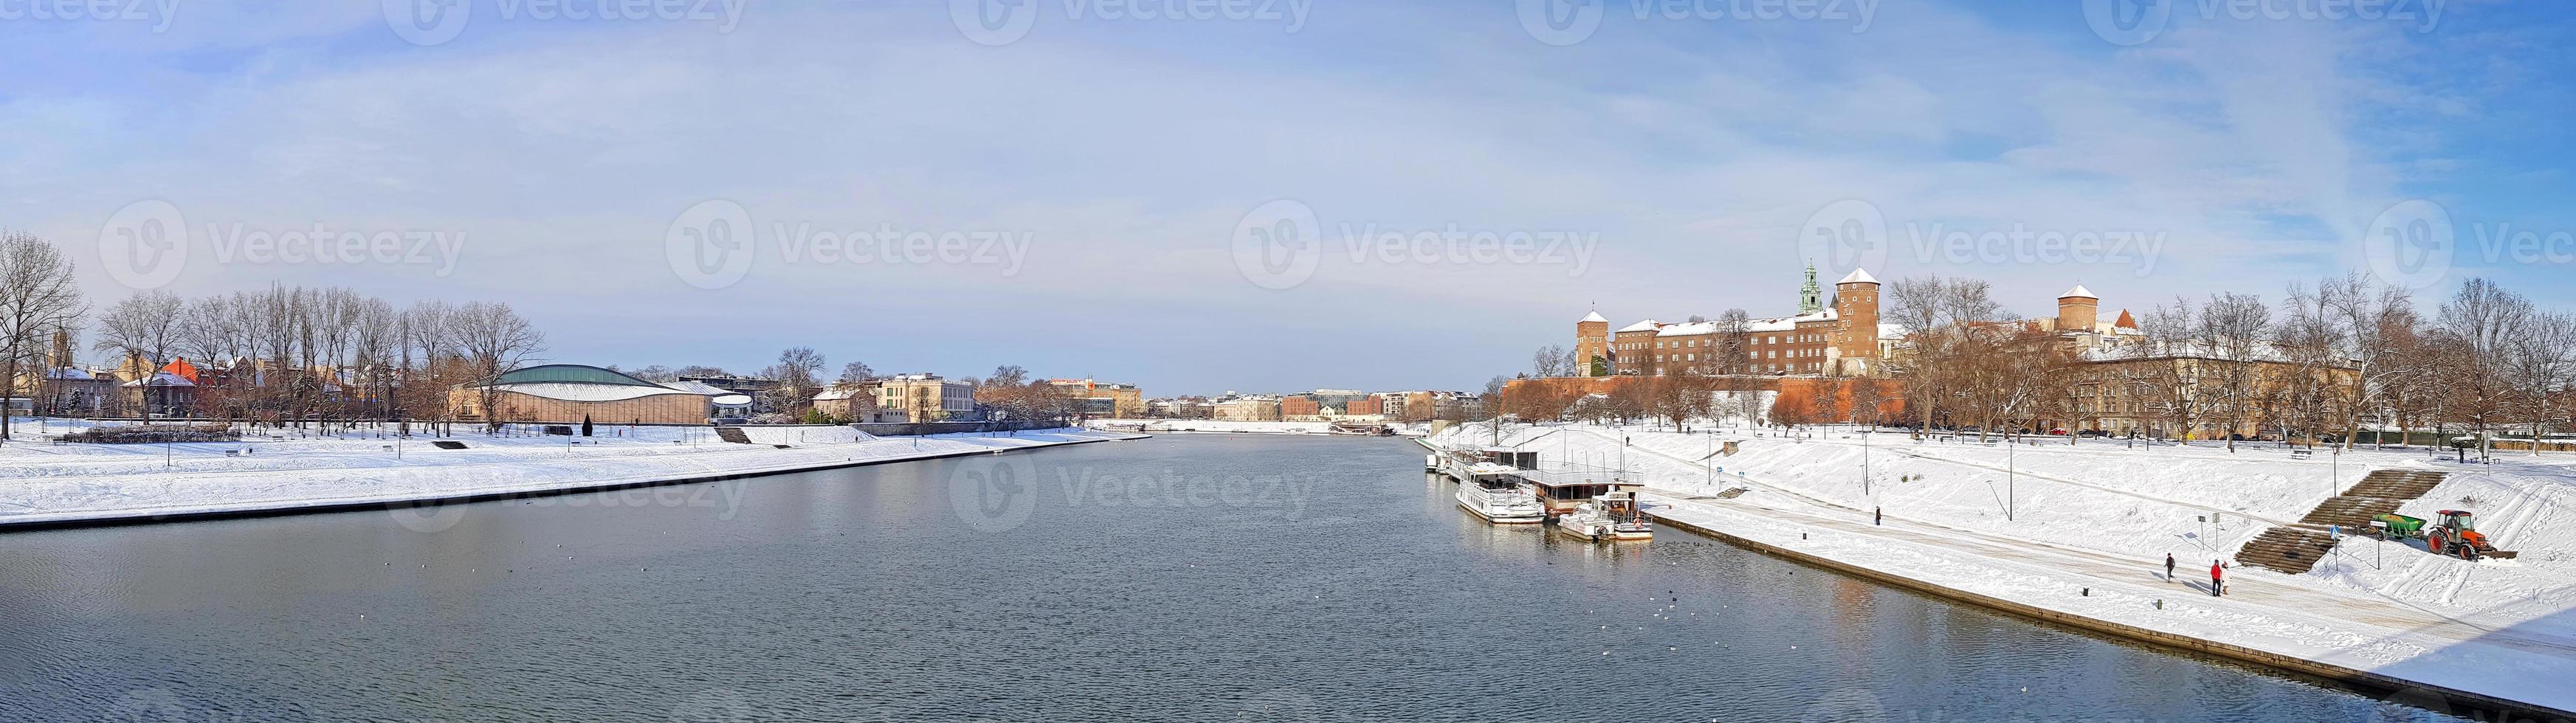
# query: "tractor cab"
{"type": "Point", "coordinates": [2458, 520]}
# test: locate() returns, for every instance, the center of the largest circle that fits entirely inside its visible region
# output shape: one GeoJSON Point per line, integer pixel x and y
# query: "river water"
{"type": "Point", "coordinates": [1179, 578]}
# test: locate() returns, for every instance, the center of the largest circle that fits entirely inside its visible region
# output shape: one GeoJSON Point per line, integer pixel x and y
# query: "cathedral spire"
{"type": "Point", "coordinates": [1810, 298]}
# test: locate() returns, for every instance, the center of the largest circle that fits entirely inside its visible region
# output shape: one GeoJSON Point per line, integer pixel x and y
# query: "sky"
{"type": "Point", "coordinates": [1276, 195]}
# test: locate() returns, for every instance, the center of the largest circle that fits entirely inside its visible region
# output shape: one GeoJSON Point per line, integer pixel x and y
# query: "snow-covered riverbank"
{"type": "Point", "coordinates": [2099, 516]}
{"type": "Point", "coordinates": [49, 485]}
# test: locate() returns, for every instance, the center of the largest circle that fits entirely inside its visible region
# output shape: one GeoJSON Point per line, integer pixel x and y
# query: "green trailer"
{"type": "Point", "coordinates": [2400, 527]}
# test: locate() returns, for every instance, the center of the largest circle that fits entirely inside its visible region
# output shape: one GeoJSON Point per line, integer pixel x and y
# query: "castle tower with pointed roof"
{"type": "Point", "coordinates": [2078, 310]}
{"type": "Point", "coordinates": [1855, 331]}
{"type": "Point", "coordinates": [1592, 346]}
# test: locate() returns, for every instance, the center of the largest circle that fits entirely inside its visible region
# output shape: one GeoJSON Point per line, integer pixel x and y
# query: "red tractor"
{"type": "Point", "coordinates": [2455, 533]}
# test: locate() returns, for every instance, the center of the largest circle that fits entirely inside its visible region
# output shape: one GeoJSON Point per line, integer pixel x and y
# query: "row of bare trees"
{"type": "Point", "coordinates": [323, 355]}
{"type": "Point", "coordinates": [2331, 361]}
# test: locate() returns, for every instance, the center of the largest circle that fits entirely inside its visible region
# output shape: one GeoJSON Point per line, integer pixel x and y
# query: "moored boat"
{"type": "Point", "coordinates": [1612, 516]}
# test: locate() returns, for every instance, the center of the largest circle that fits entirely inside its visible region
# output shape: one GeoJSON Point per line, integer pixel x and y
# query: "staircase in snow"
{"type": "Point", "coordinates": [2295, 549]}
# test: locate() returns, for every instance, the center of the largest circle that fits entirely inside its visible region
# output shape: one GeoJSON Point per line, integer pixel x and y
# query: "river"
{"type": "Point", "coordinates": [1210, 577]}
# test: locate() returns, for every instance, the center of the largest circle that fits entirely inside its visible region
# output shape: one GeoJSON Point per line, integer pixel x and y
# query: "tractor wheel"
{"type": "Point", "coordinates": [2469, 552]}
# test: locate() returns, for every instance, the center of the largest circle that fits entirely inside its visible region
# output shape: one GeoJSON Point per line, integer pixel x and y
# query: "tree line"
{"type": "Point", "coordinates": [2325, 362]}
{"type": "Point", "coordinates": [283, 355]}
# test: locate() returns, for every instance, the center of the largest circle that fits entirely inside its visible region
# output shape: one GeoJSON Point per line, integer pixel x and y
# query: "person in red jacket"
{"type": "Point", "coordinates": [2215, 581]}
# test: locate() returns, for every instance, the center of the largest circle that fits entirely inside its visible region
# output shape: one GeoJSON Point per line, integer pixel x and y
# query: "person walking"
{"type": "Point", "coordinates": [2217, 585]}
{"type": "Point", "coordinates": [1877, 516]}
{"type": "Point", "coordinates": [2169, 567]}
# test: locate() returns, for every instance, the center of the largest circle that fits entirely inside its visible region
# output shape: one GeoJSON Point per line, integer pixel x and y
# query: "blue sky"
{"type": "Point", "coordinates": [1112, 182]}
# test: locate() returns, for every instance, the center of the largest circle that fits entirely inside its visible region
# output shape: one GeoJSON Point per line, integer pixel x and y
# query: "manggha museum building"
{"type": "Point", "coordinates": [570, 393]}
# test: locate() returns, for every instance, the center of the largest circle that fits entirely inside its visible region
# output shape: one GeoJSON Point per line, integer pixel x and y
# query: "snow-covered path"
{"type": "Point", "coordinates": [2101, 517]}
{"type": "Point", "coordinates": [43, 485]}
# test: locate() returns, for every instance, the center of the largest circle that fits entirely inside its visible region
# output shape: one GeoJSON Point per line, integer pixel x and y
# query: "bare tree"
{"type": "Point", "coordinates": [143, 329]}
{"type": "Point", "coordinates": [799, 372]}
{"type": "Point", "coordinates": [856, 373]}
{"type": "Point", "coordinates": [2478, 325]}
{"type": "Point", "coordinates": [2543, 366]}
{"type": "Point", "coordinates": [2234, 327]}
{"type": "Point", "coordinates": [493, 339]}
{"type": "Point", "coordinates": [38, 297]}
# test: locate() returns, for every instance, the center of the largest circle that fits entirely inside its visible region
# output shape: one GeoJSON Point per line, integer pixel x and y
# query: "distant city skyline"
{"type": "Point", "coordinates": [1384, 196]}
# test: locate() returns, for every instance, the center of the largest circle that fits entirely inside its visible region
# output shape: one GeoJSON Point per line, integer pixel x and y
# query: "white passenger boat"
{"type": "Point", "coordinates": [1494, 492]}
{"type": "Point", "coordinates": [1612, 516]}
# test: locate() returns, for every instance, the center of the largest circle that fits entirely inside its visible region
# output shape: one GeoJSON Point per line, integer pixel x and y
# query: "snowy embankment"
{"type": "Point", "coordinates": [2099, 514]}
{"type": "Point", "coordinates": [1211, 425]}
{"type": "Point", "coordinates": [48, 484]}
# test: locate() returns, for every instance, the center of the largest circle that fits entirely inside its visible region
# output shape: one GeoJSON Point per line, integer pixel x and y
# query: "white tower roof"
{"type": "Point", "coordinates": [1858, 276]}
{"type": "Point", "coordinates": [2079, 292]}
{"type": "Point", "coordinates": [1593, 317]}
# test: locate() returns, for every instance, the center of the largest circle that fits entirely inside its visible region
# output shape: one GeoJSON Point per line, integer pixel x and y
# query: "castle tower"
{"type": "Point", "coordinates": [1808, 301]}
{"type": "Point", "coordinates": [1856, 326]}
{"type": "Point", "coordinates": [62, 358]}
{"type": "Point", "coordinates": [2077, 310]}
{"type": "Point", "coordinates": [1591, 341]}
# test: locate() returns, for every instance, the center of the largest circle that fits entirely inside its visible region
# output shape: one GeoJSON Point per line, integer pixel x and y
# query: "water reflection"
{"type": "Point", "coordinates": [1353, 592]}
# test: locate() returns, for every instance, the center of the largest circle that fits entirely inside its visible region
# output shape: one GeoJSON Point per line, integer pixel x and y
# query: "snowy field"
{"type": "Point", "coordinates": [2103, 514]}
{"type": "Point", "coordinates": [285, 469]}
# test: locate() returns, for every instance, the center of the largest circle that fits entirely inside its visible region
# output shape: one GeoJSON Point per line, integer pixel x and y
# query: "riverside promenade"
{"type": "Point", "coordinates": [53, 486]}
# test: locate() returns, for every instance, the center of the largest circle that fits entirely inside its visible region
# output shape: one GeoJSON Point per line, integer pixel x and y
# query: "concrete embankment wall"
{"type": "Point", "coordinates": [280, 508]}
{"type": "Point", "coordinates": [2346, 675]}
{"type": "Point", "coordinates": [909, 429]}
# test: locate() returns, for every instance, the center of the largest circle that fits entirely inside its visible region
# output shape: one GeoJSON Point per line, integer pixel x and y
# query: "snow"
{"type": "Point", "coordinates": [2101, 514]}
{"type": "Point", "coordinates": [2079, 292]}
{"type": "Point", "coordinates": [1593, 318]}
{"type": "Point", "coordinates": [41, 482]}
{"type": "Point", "coordinates": [1857, 276]}
{"type": "Point", "coordinates": [1212, 425]}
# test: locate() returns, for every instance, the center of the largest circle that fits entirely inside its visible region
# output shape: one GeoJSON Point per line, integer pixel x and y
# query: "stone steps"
{"type": "Point", "coordinates": [732, 434]}
{"type": "Point", "coordinates": [2291, 550]}
{"type": "Point", "coordinates": [2295, 549]}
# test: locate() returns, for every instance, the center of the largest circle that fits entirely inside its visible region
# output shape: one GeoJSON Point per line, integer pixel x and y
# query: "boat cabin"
{"type": "Point", "coordinates": [1560, 492]}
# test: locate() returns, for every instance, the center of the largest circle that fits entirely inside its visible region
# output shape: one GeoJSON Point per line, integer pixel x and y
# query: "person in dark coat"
{"type": "Point", "coordinates": [2169, 567]}
{"type": "Point", "coordinates": [1877, 516]}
